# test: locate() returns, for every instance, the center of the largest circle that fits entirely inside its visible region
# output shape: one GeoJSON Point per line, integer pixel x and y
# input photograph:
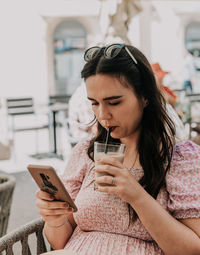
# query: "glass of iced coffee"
{"type": "Point", "coordinates": [102, 150]}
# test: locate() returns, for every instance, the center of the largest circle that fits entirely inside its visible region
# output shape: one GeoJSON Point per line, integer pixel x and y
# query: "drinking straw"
{"type": "Point", "coordinates": [107, 137]}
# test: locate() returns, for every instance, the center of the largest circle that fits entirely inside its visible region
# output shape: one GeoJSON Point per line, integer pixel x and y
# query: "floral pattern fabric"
{"type": "Point", "coordinates": [103, 222]}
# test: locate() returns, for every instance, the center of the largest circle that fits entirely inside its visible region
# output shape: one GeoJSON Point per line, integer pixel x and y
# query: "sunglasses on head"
{"type": "Point", "coordinates": [111, 51]}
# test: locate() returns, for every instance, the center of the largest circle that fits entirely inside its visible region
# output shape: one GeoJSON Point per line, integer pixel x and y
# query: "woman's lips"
{"type": "Point", "coordinates": [110, 127]}
{"type": "Point", "coordinates": [113, 128]}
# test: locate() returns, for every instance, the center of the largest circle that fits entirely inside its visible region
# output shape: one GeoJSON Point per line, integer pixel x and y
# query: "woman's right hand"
{"type": "Point", "coordinates": [53, 212]}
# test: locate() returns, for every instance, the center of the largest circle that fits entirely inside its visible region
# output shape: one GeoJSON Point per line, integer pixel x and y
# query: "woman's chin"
{"type": "Point", "coordinates": [115, 135]}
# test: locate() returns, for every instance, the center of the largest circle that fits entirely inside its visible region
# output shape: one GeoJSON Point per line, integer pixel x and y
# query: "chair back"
{"type": "Point", "coordinates": [194, 110]}
{"type": "Point", "coordinates": [22, 117]}
{"type": "Point", "coordinates": [20, 106]}
{"type": "Point", "coordinates": [17, 108]}
{"type": "Point", "coordinates": [53, 99]}
{"type": "Point", "coordinates": [24, 235]}
{"type": "Point", "coordinates": [7, 185]}
{"type": "Point", "coordinates": [194, 97]}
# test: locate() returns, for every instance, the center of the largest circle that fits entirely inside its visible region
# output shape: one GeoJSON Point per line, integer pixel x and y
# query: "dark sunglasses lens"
{"type": "Point", "coordinates": [113, 50]}
{"type": "Point", "coordinates": [91, 53]}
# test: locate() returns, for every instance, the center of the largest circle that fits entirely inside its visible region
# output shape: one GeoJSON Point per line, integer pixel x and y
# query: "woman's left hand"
{"type": "Point", "coordinates": [124, 183]}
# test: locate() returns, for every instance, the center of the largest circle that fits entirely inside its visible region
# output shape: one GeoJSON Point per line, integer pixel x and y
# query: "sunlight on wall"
{"type": "Point", "coordinates": [166, 39]}
{"type": "Point", "coordinates": [22, 51]}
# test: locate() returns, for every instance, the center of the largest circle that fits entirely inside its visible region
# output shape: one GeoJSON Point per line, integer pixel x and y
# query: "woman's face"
{"type": "Point", "coordinates": [115, 106]}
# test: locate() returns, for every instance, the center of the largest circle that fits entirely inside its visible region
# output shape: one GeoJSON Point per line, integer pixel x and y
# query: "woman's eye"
{"type": "Point", "coordinates": [94, 103]}
{"type": "Point", "coordinates": [114, 103]}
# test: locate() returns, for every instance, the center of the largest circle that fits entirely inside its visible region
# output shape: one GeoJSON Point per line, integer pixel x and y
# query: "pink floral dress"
{"type": "Point", "coordinates": [103, 223]}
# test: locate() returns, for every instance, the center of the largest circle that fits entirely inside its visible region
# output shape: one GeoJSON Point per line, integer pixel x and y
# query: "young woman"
{"type": "Point", "coordinates": [153, 204]}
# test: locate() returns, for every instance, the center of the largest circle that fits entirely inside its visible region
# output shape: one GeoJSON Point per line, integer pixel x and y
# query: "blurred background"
{"type": "Point", "coordinates": [41, 56]}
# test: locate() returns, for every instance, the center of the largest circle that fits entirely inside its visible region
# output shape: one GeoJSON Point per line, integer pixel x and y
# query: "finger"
{"type": "Point", "coordinates": [110, 170]}
{"type": "Point", "coordinates": [54, 212]}
{"type": "Point", "coordinates": [55, 218]}
{"type": "Point", "coordinates": [106, 179]}
{"type": "Point", "coordinates": [50, 218]}
{"type": "Point", "coordinates": [44, 195]}
{"type": "Point", "coordinates": [107, 189]}
{"type": "Point", "coordinates": [51, 205]}
{"type": "Point", "coordinates": [110, 161]}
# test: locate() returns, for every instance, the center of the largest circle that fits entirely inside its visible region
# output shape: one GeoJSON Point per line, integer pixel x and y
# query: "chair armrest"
{"type": "Point", "coordinates": [21, 234]}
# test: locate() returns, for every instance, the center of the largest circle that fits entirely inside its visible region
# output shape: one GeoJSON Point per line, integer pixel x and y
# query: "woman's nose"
{"type": "Point", "coordinates": [104, 114]}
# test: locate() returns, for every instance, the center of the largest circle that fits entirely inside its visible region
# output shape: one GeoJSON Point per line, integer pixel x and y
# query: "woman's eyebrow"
{"type": "Point", "coordinates": [106, 98]}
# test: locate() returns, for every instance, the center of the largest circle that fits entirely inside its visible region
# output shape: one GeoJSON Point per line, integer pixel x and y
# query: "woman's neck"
{"type": "Point", "coordinates": [131, 142]}
{"type": "Point", "coordinates": [131, 158]}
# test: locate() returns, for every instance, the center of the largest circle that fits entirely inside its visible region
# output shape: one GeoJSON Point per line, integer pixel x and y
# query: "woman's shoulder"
{"type": "Point", "coordinates": [186, 150]}
{"type": "Point", "coordinates": [83, 145]}
{"type": "Point", "coordinates": [78, 160]}
{"type": "Point", "coordinates": [183, 181]}
{"type": "Point", "coordinates": [185, 165]}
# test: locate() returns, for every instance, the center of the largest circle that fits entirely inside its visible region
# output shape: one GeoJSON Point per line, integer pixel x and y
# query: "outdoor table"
{"type": "Point", "coordinates": [52, 110]}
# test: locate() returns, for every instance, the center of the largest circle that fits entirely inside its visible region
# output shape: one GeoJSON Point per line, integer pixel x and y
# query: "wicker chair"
{"type": "Point", "coordinates": [7, 185]}
{"type": "Point", "coordinates": [23, 236]}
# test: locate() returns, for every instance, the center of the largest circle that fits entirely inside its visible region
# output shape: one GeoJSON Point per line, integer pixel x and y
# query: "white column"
{"type": "Point", "coordinates": [145, 29]}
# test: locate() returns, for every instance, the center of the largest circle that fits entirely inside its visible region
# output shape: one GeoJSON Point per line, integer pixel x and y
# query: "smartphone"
{"type": "Point", "coordinates": [48, 181]}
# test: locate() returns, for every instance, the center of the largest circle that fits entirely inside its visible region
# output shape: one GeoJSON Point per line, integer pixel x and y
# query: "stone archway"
{"type": "Point", "coordinates": [69, 43]}
{"type": "Point", "coordinates": [92, 31]}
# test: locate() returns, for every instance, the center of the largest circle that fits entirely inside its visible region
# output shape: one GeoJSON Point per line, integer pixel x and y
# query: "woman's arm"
{"type": "Point", "coordinates": [172, 236]}
{"type": "Point", "coordinates": [194, 224]}
{"type": "Point", "coordinates": [58, 235]}
{"type": "Point", "coordinates": [58, 217]}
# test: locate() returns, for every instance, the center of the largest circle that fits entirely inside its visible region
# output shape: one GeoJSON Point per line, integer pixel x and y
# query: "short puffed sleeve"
{"type": "Point", "coordinates": [75, 171]}
{"type": "Point", "coordinates": [183, 181]}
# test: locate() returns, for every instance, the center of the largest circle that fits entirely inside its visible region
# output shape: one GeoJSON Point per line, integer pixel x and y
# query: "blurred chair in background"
{"type": "Point", "coordinates": [193, 111]}
{"type": "Point", "coordinates": [188, 72]}
{"type": "Point", "coordinates": [5, 150]}
{"type": "Point", "coordinates": [7, 185]}
{"type": "Point", "coordinates": [53, 99]}
{"type": "Point", "coordinates": [22, 117]}
{"type": "Point", "coordinates": [6, 143]}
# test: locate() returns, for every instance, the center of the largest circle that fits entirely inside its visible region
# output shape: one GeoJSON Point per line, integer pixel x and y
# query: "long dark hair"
{"type": "Point", "coordinates": [156, 141]}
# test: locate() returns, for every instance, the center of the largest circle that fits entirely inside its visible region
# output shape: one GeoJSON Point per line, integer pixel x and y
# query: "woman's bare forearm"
{"type": "Point", "coordinates": [58, 236]}
{"type": "Point", "coordinates": [173, 237]}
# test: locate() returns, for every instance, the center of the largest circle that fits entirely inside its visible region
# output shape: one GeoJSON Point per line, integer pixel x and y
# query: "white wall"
{"type": "Point", "coordinates": [167, 37]}
{"type": "Point", "coordinates": [25, 43]}
{"type": "Point", "coordinates": [22, 55]}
